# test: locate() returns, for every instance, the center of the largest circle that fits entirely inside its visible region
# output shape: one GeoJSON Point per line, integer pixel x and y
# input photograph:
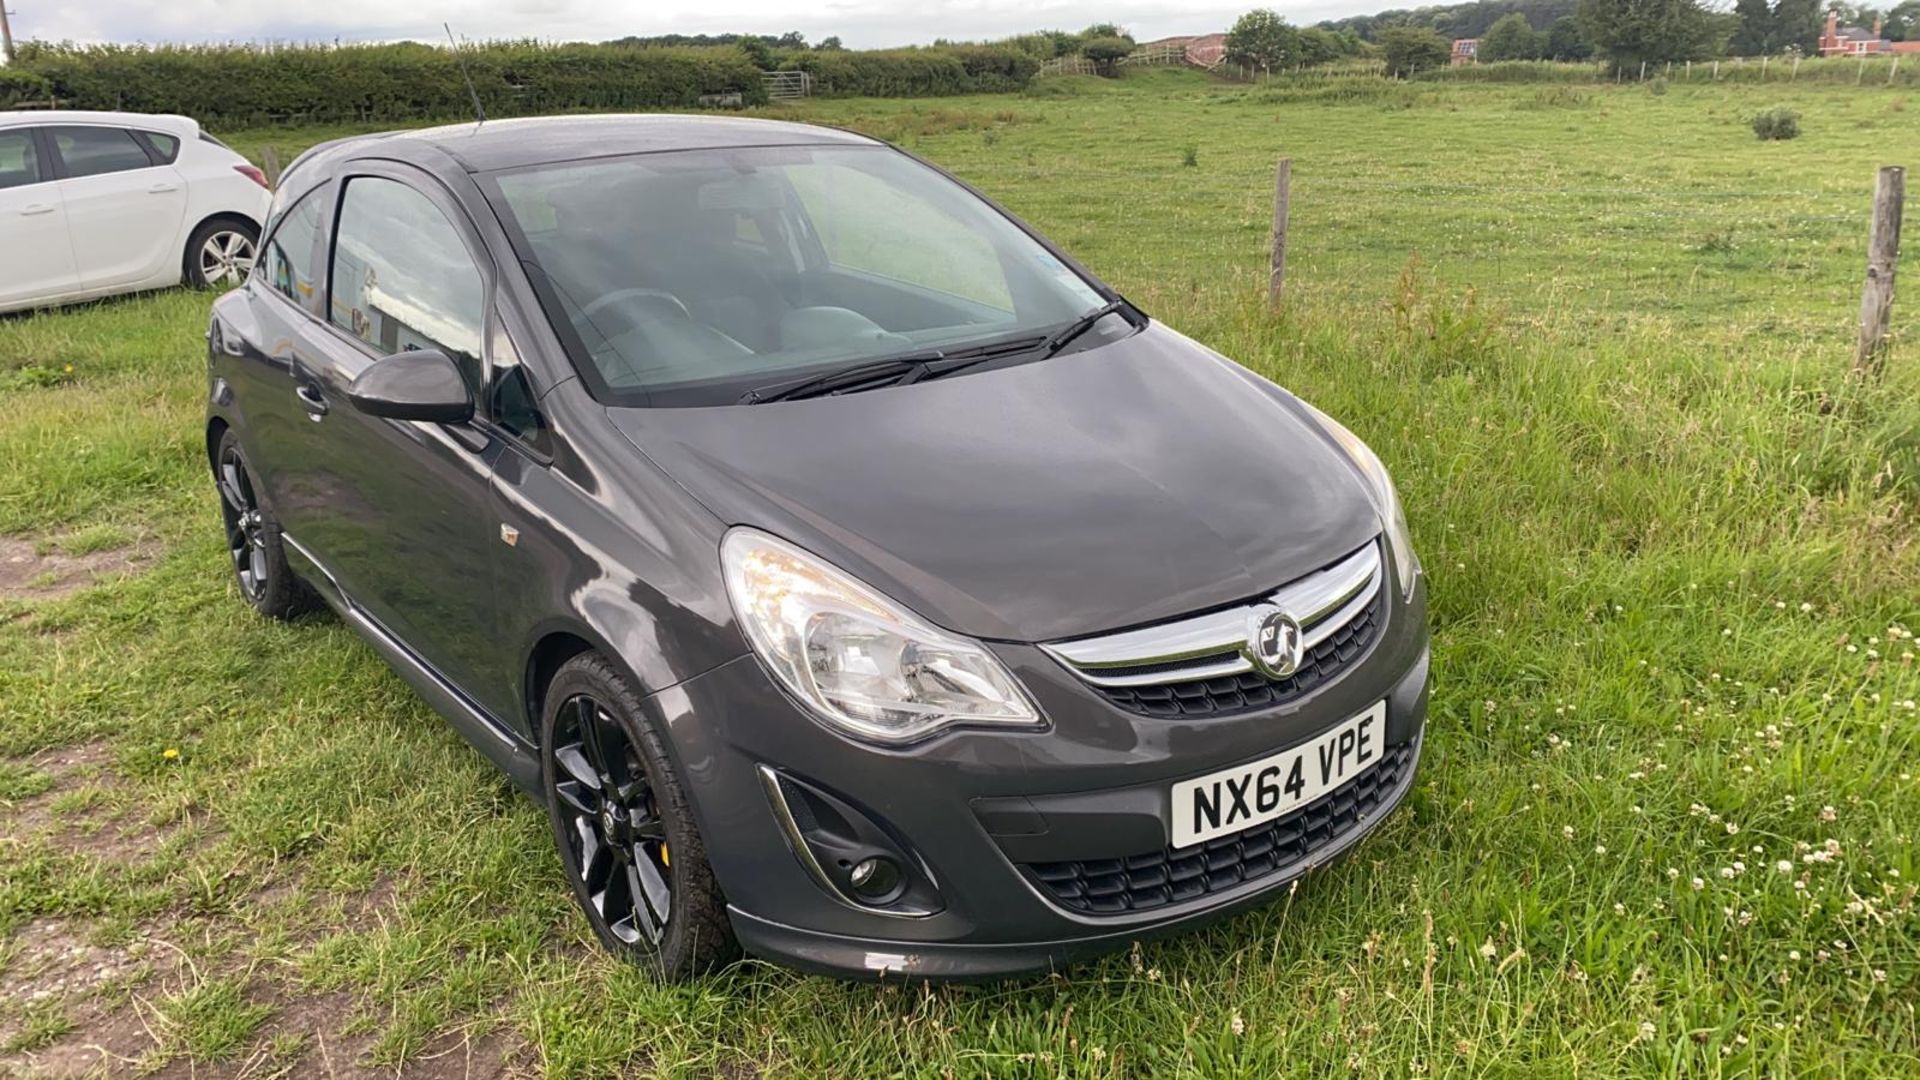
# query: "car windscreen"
{"type": "Point", "coordinates": [687, 277]}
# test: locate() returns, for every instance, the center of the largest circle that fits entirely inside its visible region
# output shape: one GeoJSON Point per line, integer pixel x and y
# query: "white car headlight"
{"type": "Point", "coordinates": [858, 660]}
{"type": "Point", "coordinates": [1405, 563]}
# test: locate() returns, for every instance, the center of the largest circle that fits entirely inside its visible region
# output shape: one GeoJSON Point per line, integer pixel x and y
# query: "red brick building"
{"type": "Point", "coordinates": [1465, 51]}
{"type": "Point", "coordinates": [1854, 41]}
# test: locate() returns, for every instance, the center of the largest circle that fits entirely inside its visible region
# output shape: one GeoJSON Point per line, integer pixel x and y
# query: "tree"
{"type": "Point", "coordinates": [1319, 46]}
{"type": "Point", "coordinates": [830, 43]}
{"type": "Point", "coordinates": [1565, 41]}
{"type": "Point", "coordinates": [1798, 22]}
{"type": "Point", "coordinates": [1903, 22]}
{"type": "Point", "coordinates": [1106, 30]}
{"type": "Point", "coordinates": [792, 39]}
{"type": "Point", "coordinates": [1263, 40]}
{"type": "Point", "coordinates": [755, 48]}
{"type": "Point", "coordinates": [1106, 53]}
{"type": "Point", "coordinates": [1411, 49]}
{"type": "Point", "coordinates": [1635, 32]}
{"type": "Point", "coordinates": [1512, 38]}
{"type": "Point", "coordinates": [1753, 30]}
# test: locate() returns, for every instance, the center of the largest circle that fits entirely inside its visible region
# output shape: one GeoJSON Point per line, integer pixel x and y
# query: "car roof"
{"type": "Point", "coordinates": [537, 140]}
{"type": "Point", "coordinates": [181, 125]}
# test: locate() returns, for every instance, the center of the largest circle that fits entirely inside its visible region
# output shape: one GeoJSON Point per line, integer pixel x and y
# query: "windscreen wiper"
{"type": "Point", "coordinates": [1062, 338]}
{"type": "Point", "coordinates": [884, 371]}
{"type": "Point", "coordinates": [979, 354]}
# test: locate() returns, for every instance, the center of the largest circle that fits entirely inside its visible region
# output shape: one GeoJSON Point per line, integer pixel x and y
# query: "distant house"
{"type": "Point", "coordinates": [1466, 50]}
{"type": "Point", "coordinates": [1854, 41]}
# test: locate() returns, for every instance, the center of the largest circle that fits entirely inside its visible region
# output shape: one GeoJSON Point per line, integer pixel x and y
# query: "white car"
{"type": "Point", "coordinates": [98, 203]}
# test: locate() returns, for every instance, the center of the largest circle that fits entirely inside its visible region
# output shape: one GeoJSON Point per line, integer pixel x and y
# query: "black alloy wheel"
{"type": "Point", "coordinates": [624, 827]}
{"type": "Point", "coordinates": [616, 838]}
{"type": "Point", "coordinates": [246, 527]}
{"type": "Point", "coordinates": [254, 549]}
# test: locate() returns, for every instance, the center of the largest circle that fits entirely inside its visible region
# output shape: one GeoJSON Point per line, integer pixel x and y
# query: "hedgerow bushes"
{"type": "Point", "coordinates": [951, 69]}
{"type": "Point", "coordinates": [240, 85]}
{"type": "Point", "coordinates": [17, 86]}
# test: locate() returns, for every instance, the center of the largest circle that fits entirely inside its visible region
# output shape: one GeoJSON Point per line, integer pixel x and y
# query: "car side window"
{"type": "Point", "coordinates": [399, 277]}
{"type": "Point", "coordinates": [95, 151]}
{"type": "Point", "coordinates": [167, 146]}
{"type": "Point", "coordinates": [289, 257]}
{"type": "Point", "coordinates": [19, 158]}
{"type": "Point", "coordinates": [511, 401]}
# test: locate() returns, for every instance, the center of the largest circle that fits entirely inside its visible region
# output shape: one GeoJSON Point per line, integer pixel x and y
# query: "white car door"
{"type": "Point", "coordinates": [38, 263]}
{"type": "Point", "coordinates": [123, 210]}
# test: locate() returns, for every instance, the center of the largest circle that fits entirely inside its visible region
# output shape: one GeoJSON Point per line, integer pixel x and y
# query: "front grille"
{"type": "Point", "coordinates": [1203, 664]}
{"type": "Point", "coordinates": [1248, 690]}
{"type": "Point", "coordinates": [1157, 879]}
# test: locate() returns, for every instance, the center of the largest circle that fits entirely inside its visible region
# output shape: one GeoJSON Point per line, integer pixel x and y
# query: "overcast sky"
{"type": "Point", "coordinates": [860, 23]}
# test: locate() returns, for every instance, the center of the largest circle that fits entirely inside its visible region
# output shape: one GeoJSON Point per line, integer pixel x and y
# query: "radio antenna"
{"type": "Point", "coordinates": [480, 114]}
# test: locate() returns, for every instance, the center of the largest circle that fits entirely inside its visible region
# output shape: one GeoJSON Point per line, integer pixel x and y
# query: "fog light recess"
{"type": "Point", "coordinates": [847, 850]}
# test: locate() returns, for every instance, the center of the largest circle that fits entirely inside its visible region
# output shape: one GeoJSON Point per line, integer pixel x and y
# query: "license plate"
{"type": "Point", "coordinates": [1247, 795]}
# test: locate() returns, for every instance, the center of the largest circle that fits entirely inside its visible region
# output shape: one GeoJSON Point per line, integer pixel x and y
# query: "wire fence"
{"type": "Point", "coordinates": [1732, 261]}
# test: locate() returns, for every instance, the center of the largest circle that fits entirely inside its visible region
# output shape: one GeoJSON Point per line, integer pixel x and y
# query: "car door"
{"type": "Point", "coordinates": [33, 223]}
{"type": "Point", "coordinates": [274, 326]}
{"type": "Point", "coordinates": [123, 207]}
{"type": "Point", "coordinates": [397, 511]}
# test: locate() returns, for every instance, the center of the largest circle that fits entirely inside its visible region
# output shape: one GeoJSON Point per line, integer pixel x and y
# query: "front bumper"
{"type": "Point", "coordinates": [980, 809]}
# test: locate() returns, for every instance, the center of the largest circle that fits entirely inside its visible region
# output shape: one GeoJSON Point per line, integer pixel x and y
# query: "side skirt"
{"type": "Point", "coordinates": [497, 742]}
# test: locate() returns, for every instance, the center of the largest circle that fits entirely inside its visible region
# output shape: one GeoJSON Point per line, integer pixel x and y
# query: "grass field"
{"type": "Point", "coordinates": [1665, 821]}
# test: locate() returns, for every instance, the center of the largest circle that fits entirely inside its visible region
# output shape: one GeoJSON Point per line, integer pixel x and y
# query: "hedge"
{"type": "Point", "coordinates": [237, 85]}
{"type": "Point", "coordinates": [931, 72]}
{"type": "Point", "coordinates": [18, 87]}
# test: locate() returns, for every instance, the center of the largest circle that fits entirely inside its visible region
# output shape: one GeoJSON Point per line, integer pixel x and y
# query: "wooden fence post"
{"type": "Point", "coordinates": [1883, 257]}
{"type": "Point", "coordinates": [1282, 196]}
{"type": "Point", "coordinates": [270, 164]}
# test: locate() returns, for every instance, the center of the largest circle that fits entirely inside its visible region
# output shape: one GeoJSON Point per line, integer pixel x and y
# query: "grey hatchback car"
{"type": "Point", "coordinates": [855, 579]}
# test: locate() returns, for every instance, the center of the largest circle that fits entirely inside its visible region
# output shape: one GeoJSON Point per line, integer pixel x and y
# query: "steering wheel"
{"type": "Point", "coordinates": [661, 301]}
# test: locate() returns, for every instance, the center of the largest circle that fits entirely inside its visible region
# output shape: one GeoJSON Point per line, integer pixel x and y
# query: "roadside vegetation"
{"type": "Point", "coordinates": [1665, 821]}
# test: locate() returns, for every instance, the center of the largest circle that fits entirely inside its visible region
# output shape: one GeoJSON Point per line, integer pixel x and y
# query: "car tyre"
{"type": "Point", "coordinates": [255, 551]}
{"type": "Point", "coordinates": [220, 253]}
{"type": "Point", "coordinates": [624, 827]}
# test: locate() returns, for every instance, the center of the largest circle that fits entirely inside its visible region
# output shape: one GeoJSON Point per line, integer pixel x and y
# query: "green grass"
{"type": "Point", "coordinates": [1599, 335]}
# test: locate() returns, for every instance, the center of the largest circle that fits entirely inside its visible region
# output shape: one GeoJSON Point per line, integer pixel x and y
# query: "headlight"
{"type": "Point", "coordinates": [857, 659]}
{"type": "Point", "coordinates": [1405, 562]}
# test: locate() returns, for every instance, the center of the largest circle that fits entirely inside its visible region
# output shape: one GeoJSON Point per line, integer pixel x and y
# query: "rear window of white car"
{"type": "Point", "coordinates": [167, 146]}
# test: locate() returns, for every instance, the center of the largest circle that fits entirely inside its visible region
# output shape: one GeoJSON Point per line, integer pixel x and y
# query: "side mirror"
{"type": "Point", "coordinates": [421, 384]}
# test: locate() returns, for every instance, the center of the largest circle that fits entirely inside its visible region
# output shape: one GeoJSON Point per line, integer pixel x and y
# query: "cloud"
{"type": "Point", "coordinates": [859, 23]}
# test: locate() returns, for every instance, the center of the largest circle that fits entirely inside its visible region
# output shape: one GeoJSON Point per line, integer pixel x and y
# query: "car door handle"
{"type": "Point", "coordinates": [36, 208]}
{"type": "Point", "coordinates": [309, 396]}
{"type": "Point", "coordinates": [161, 188]}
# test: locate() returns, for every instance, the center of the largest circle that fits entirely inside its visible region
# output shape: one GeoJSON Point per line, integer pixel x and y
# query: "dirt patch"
{"type": "Point", "coordinates": [35, 571]}
{"type": "Point", "coordinates": [52, 963]}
